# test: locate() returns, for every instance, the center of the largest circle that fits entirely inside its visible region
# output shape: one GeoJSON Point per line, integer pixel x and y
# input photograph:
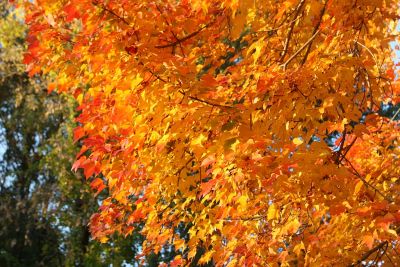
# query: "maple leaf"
{"type": "Point", "coordinates": [262, 135]}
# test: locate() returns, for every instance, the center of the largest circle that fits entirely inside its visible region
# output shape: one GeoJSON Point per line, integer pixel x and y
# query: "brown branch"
{"type": "Point", "coordinates": [156, 75]}
{"type": "Point", "coordinates": [284, 65]}
{"type": "Point", "coordinates": [172, 32]}
{"type": "Point", "coordinates": [289, 35]}
{"type": "Point", "coordinates": [369, 253]}
{"type": "Point", "coordinates": [375, 249]}
{"type": "Point", "coordinates": [205, 101]}
{"type": "Point", "coordinates": [341, 147]}
{"type": "Point", "coordinates": [314, 31]}
{"type": "Point", "coordinates": [347, 149]}
{"type": "Point", "coordinates": [395, 114]}
{"type": "Point", "coordinates": [255, 218]}
{"type": "Point", "coordinates": [366, 183]}
{"type": "Point", "coordinates": [181, 40]}
{"type": "Point", "coordinates": [178, 172]}
{"type": "Point", "coordinates": [103, 7]}
{"type": "Point", "coordinates": [277, 28]}
{"type": "Point", "coordinates": [152, 72]}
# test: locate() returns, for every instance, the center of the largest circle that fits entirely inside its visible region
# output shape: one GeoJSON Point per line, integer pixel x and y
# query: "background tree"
{"type": "Point", "coordinates": [240, 132]}
{"type": "Point", "coordinates": [28, 235]}
{"type": "Point", "coordinates": [45, 208]}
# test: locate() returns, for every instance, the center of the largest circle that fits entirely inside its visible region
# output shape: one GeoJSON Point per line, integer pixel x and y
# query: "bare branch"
{"type": "Point", "coordinates": [395, 114]}
{"type": "Point", "coordinates": [314, 31]}
{"type": "Point", "coordinates": [366, 183]}
{"type": "Point", "coordinates": [284, 65]}
{"type": "Point", "coordinates": [103, 7]}
{"type": "Point", "coordinates": [292, 24]}
{"type": "Point", "coordinates": [205, 101]}
{"type": "Point", "coordinates": [369, 253]}
{"type": "Point", "coordinates": [347, 149]}
{"type": "Point", "coordinates": [181, 40]}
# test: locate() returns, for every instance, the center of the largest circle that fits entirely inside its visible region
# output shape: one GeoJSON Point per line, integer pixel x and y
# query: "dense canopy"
{"type": "Point", "coordinates": [240, 132]}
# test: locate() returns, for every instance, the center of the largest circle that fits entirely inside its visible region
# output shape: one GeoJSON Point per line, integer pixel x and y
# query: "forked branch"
{"type": "Point", "coordinates": [284, 65]}
{"type": "Point", "coordinates": [187, 37]}
{"type": "Point", "coordinates": [290, 33]}
{"type": "Point", "coordinates": [370, 252]}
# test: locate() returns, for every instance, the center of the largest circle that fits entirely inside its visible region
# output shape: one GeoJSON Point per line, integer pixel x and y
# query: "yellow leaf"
{"type": "Point", "coordinates": [256, 48]}
{"type": "Point", "coordinates": [103, 239]}
{"type": "Point", "coordinates": [385, 185]}
{"type": "Point", "coordinates": [136, 81]}
{"type": "Point", "coordinates": [298, 141]}
{"type": "Point", "coordinates": [393, 232]}
{"type": "Point", "coordinates": [206, 257]}
{"type": "Point", "coordinates": [358, 187]}
{"type": "Point", "coordinates": [199, 140]}
{"type": "Point", "coordinates": [293, 226]}
{"type": "Point", "coordinates": [272, 212]}
{"type": "Point", "coordinates": [179, 243]}
{"type": "Point", "coordinates": [242, 202]}
{"type": "Point", "coordinates": [368, 240]}
{"type": "Point", "coordinates": [297, 249]}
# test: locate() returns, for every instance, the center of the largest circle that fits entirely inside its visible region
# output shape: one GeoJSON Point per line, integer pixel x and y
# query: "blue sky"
{"type": "Point", "coordinates": [2, 149]}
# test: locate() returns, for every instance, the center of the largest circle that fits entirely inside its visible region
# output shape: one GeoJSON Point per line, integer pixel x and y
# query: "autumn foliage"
{"type": "Point", "coordinates": [245, 133]}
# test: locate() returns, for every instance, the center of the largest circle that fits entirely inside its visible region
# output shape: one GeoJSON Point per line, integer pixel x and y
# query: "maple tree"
{"type": "Point", "coordinates": [239, 132]}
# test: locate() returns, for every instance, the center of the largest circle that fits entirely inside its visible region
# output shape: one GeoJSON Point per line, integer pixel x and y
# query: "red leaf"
{"type": "Point", "coordinates": [207, 187]}
{"type": "Point", "coordinates": [83, 150]}
{"type": "Point", "coordinates": [337, 209]}
{"type": "Point", "coordinates": [208, 161]}
{"type": "Point", "coordinates": [71, 12]}
{"type": "Point", "coordinates": [368, 240]}
{"type": "Point", "coordinates": [176, 262]}
{"type": "Point", "coordinates": [131, 50]}
{"type": "Point", "coordinates": [79, 132]}
{"type": "Point", "coordinates": [51, 87]}
{"type": "Point", "coordinates": [98, 185]}
{"type": "Point", "coordinates": [78, 164]}
{"type": "Point", "coordinates": [89, 169]}
{"type": "Point", "coordinates": [28, 58]}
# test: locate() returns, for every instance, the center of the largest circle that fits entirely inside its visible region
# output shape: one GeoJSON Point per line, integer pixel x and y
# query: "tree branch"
{"type": "Point", "coordinates": [172, 32]}
{"type": "Point", "coordinates": [292, 24]}
{"type": "Point", "coordinates": [369, 253]}
{"type": "Point", "coordinates": [314, 31]}
{"type": "Point", "coordinates": [205, 101]}
{"type": "Point", "coordinates": [341, 147]}
{"type": "Point", "coordinates": [181, 40]}
{"type": "Point", "coordinates": [103, 7]}
{"type": "Point", "coordinates": [284, 65]}
{"type": "Point", "coordinates": [395, 114]}
{"type": "Point", "coordinates": [366, 183]}
{"type": "Point", "coordinates": [347, 149]}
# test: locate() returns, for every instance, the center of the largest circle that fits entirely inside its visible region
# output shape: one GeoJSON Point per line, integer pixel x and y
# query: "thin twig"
{"type": "Point", "coordinates": [369, 253]}
{"type": "Point", "coordinates": [181, 40]}
{"type": "Point", "coordinates": [347, 149]}
{"type": "Point", "coordinates": [341, 146]}
{"type": "Point", "coordinates": [103, 7]}
{"type": "Point", "coordinates": [284, 65]}
{"type": "Point", "coordinates": [373, 56]}
{"type": "Point", "coordinates": [172, 32]}
{"type": "Point", "coordinates": [314, 31]}
{"type": "Point", "coordinates": [277, 28]}
{"type": "Point", "coordinates": [255, 218]}
{"type": "Point", "coordinates": [366, 183]}
{"type": "Point", "coordinates": [394, 116]}
{"type": "Point", "coordinates": [205, 101]}
{"type": "Point", "coordinates": [390, 259]}
{"type": "Point", "coordinates": [289, 35]}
